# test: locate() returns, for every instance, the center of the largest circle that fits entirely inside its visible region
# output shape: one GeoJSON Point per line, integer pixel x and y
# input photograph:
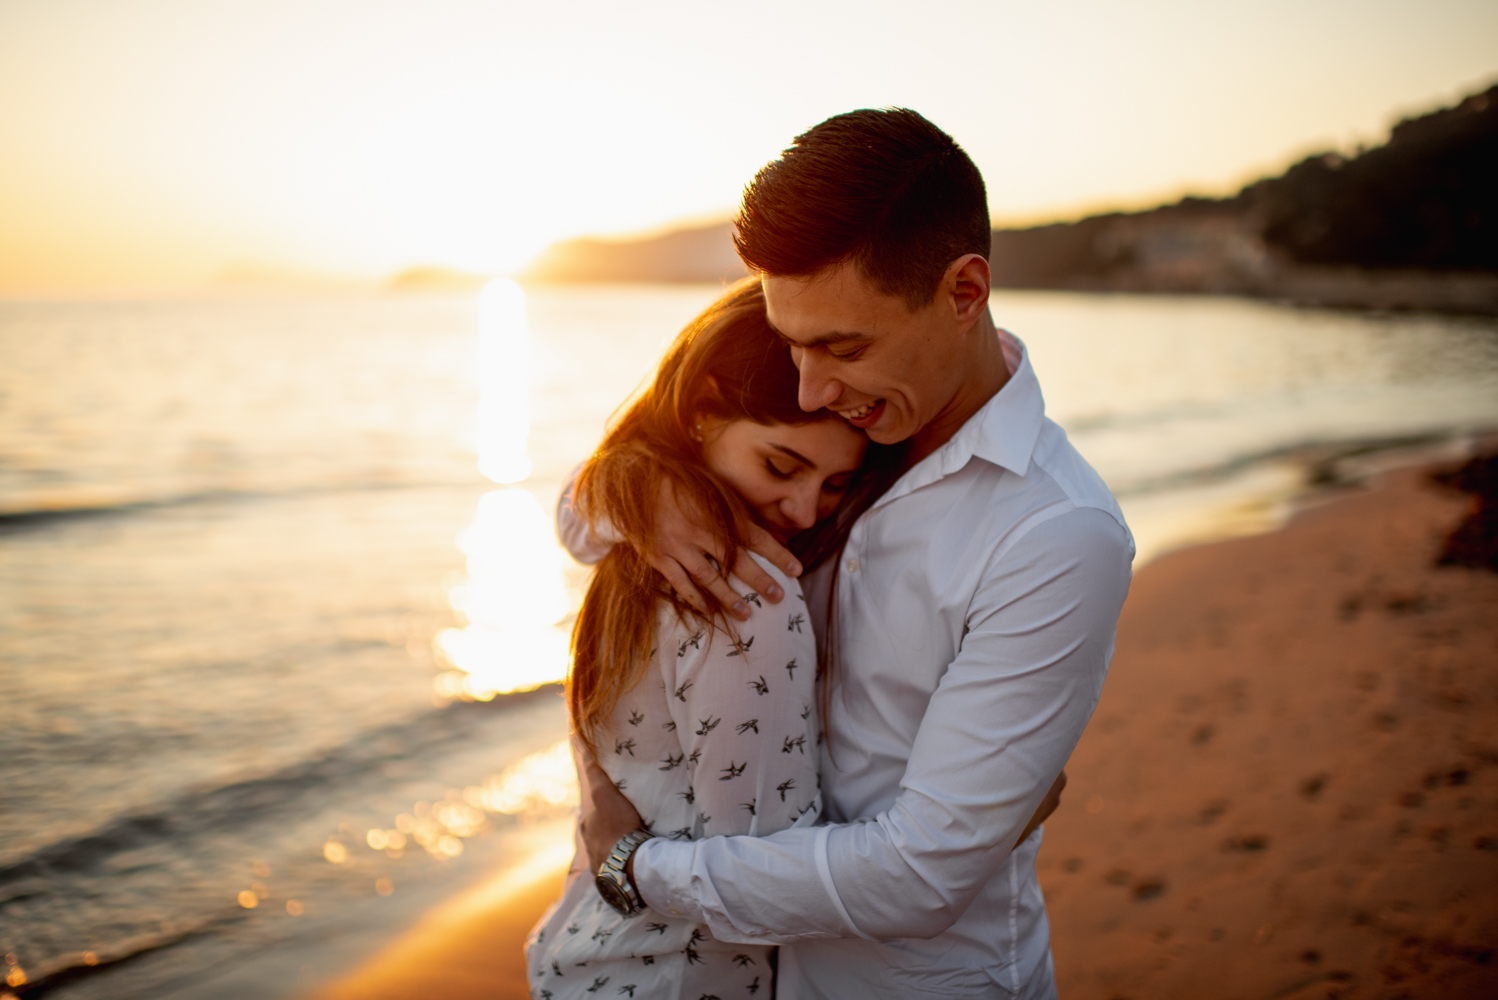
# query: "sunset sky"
{"type": "Point", "coordinates": [160, 144]}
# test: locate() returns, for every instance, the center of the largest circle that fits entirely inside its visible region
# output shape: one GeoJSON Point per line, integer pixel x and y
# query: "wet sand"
{"type": "Point", "coordinates": [1290, 789]}
{"type": "Point", "coordinates": [477, 956]}
{"type": "Point", "coordinates": [470, 946]}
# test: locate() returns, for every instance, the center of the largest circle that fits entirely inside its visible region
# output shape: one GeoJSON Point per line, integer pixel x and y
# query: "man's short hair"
{"type": "Point", "coordinates": [885, 189]}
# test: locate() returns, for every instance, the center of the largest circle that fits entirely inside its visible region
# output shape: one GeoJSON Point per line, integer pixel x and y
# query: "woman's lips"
{"type": "Point", "coordinates": [865, 416]}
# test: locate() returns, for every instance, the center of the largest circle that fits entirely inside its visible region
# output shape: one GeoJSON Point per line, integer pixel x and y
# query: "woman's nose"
{"type": "Point", "coordinates": [801, 508]}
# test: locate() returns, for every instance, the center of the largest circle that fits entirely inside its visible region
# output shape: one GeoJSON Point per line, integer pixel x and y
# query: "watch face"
{"type": "Point", "coordinates": [612, 893]}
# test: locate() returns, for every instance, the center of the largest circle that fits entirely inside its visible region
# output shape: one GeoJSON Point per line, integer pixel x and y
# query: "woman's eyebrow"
{"type": "Point", "coordinates": [794, 454]}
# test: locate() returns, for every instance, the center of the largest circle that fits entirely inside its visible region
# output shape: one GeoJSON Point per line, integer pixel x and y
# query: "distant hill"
{"type": "Point", "coordinates": [435, 279]}
{"type": "Point", "coordinates": [1411, 224]}
{"type": "Point", "coordinates": [705, 254]}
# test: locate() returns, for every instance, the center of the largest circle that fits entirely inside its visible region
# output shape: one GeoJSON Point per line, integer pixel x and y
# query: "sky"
{"type": "Point", "coordinates": [149, 145]}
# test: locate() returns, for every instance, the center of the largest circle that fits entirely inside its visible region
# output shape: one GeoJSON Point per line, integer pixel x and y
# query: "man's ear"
{"type": "Point", "coordinates": [966, 286]}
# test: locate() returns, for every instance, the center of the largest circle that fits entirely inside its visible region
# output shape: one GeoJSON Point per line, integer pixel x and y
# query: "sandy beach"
{"type": "Point", "coordinates": [1290, 789]}
{"type": "Point", "coordinates": [470, 945]}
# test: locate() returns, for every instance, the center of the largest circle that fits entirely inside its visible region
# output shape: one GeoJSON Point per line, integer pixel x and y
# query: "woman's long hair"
{"type": "Point", "coordinates": [728, 364]}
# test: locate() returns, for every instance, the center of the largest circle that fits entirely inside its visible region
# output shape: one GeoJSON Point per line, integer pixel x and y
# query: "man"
{"type": "Point", "coordinates": [974, 605]}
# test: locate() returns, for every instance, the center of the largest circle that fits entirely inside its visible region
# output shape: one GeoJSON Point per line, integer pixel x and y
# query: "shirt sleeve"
{"type": "Point", "coordinates": [999, 728]}
{"type": "Point", "coordinates": [584, 543]}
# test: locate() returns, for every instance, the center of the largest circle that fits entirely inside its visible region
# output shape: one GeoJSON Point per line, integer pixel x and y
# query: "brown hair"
{"type": "Point", "coordinates": [885, 189]}
{"type": "Point", "coordinates": [727, 364]}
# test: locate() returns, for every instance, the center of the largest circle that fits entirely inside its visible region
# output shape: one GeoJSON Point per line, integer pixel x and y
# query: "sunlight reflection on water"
{"type": "Point", "coordinates": [515, 594]}
{"type": "Point", "coordinates": [504, 382]}
{"type": "Point", "coordinates": [541, 786]}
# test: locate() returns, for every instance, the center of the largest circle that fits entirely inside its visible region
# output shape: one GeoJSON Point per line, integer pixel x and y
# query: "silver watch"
{"type": "Point", "coordinates": [613, 884]}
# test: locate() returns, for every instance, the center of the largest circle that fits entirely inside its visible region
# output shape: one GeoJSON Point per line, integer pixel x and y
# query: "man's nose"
{"type": "Point", "coordinates": [816, 389]}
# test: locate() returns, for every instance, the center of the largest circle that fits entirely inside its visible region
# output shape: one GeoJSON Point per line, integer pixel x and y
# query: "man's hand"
{"type": "Point", "coordinates": [1047, 806]}
{"type": "Point", "coordinates": [607, 814]}
{"type": "Point", "coordinates": [686, 554]}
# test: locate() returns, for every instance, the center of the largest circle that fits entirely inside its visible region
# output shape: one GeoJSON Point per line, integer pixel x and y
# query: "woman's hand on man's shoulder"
{"type": "Point", "coordinates": [686, 554]}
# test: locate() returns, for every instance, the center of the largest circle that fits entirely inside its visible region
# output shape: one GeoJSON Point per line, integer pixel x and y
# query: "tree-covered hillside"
{"type": "Point", "coordinates": [1426, 199]}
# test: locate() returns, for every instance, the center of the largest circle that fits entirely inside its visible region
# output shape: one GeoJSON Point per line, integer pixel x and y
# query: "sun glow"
{"type": "Point", "coordinates": [338, 138]}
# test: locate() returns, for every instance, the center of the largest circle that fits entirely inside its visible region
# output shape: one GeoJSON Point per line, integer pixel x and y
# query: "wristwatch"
{"type": "Point", "coordinates": [613, 884]}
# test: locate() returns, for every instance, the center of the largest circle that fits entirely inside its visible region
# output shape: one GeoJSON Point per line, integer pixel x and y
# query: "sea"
{"type": "Point", "coordinates": [282, 615]}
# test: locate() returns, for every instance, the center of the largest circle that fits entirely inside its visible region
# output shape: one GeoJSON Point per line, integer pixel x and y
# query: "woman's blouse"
{"type": "Point", "coordinates": [718, 738]}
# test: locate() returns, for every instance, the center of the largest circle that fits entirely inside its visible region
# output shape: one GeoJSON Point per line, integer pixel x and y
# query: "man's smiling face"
{"type": "Point", "coordinates": [883, 367]}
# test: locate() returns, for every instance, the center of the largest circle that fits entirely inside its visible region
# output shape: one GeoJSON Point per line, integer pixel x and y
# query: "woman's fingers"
{"type": "Point", "coordinates": [710, 578]}
{"type": "Point", "coordinates": [764, 544]}
{"type": "Point", "coordinates": [704, 588]}
{"type": "Point", "coordinates": [681, 582]}
{"type": "Point", "coordinates": [684, 556]}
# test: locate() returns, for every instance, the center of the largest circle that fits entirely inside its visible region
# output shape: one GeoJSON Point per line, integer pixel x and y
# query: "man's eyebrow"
{"type": "Point", "coordinates": [833, 337]}
{"type": "Point", "coordinates": [794, 454]}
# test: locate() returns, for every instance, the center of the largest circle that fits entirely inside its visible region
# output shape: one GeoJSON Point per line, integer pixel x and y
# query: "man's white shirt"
{"type": "Point", "coordinates": [976, 605]}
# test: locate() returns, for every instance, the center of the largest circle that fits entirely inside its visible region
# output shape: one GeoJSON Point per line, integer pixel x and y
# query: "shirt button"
{"type": "Point", "coordinates": [852, 565]}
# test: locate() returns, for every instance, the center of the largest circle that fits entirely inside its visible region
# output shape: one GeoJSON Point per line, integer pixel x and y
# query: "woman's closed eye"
{"type": "Point", "coordinates": [774, 469]}
{"type": "Point", "coordinates": [837, 484]}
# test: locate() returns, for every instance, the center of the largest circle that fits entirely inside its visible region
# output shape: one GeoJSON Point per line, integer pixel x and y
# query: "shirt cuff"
{"type": "Point", "coordinates": [663, 876]}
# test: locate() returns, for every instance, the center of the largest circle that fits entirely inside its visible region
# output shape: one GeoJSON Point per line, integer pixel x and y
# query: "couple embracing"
{"type": "Point", "coordinates": [855, 601]}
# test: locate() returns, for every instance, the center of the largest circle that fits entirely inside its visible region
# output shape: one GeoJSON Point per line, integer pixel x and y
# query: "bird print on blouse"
{"type": "Point", "coordinates": [695, 777]}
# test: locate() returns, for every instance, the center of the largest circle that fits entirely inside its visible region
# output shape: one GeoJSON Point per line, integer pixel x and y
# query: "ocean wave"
{"type": "Point", "coordinates": [41, 511]}
{"type": "Point", "coordinates": [69, 966]}
{"type": "Point", "coordinates": [257, 798]}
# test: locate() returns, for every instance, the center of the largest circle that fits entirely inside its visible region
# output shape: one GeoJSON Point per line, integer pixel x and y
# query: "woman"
{"type": "Point", "coordinates": [708, 726]}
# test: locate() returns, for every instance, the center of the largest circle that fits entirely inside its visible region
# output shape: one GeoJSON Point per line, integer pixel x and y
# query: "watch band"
{"type": "Point", "coordinates": [613, 883]}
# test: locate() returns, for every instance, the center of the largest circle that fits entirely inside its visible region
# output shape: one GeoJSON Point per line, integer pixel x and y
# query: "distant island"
{"type": "Point", "coordinates": [702, 254]}
{"type": "Point", "coordinates": [1410, 224]}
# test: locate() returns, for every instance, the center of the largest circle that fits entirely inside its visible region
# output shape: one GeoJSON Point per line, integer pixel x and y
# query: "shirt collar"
{"type": "Point", "coordinates": [1003, 431]}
